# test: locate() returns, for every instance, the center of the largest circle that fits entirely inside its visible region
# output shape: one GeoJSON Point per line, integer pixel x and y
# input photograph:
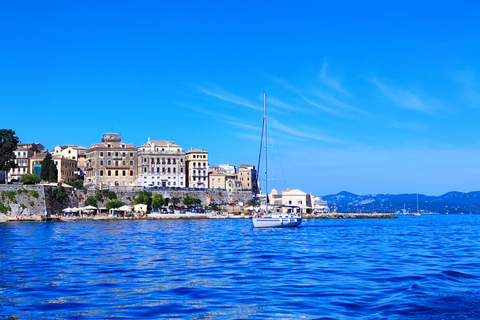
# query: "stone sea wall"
{"type": "Point", "coordinates": [31, 201]}
{"type": "Point", "coordinates": [34, 200]}
{"type": "Point", "coordinates": [128, 194]}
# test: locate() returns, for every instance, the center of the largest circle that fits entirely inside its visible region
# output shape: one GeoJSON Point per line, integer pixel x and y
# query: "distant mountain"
{"type": "Point", "coordinates": [451, 202]}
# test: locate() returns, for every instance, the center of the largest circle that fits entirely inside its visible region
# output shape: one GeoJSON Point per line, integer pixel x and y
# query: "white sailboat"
{"type": "Point", "coordinates": [272, 220]}
{"type": "Point", "coordinates": [418, 211]}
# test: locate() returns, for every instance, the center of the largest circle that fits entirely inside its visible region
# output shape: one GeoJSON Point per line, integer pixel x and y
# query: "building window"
{"type": "Point", "coordinates": [109, 162]}
{"type": "Point", "coordinates": [124, 173]}
{"type": "Point", "coordinates": [131, 173]}
{"type": "Point", "coordinates": [123, 154]}
{"type": "Point", "coordinates": [109, 173]}
{"type": "Point", "coordinates": [116, 173]}
{"type": "Point", "coordinates": [101, 154]}
{"type": "Point", "coordinates": [101, 173]}
{"type": "Point", "coordinates": [131, 162]}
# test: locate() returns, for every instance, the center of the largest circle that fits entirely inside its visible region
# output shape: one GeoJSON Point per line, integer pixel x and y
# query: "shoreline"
{"type": "Point", "coordinates": [187, 216]}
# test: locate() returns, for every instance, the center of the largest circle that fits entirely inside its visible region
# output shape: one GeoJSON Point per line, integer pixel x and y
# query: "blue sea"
{"type": "Point", "coordinates": [413, 267]}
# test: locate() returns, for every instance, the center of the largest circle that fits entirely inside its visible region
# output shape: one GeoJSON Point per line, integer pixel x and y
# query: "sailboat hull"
{"type": "Point", "coordinates": [269, 222]}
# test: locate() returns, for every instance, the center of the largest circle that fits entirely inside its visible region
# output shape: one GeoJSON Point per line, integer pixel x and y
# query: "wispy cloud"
{"type": "Point", "coordinates": [306, 133]}
{"type": "Point", "coordinates": [282, 105]}
{"type": "Point", "coordinates": [469, 89]}
{"type": "Point", "coordinates": [405, 99]}
{"type": "Point", "coordinates": [228, 97]}
{"type": "Point", "coordinates": [331, 82]}
{"type": "Point", "coordinates": [226, 119]}
{"type": "Point", "coordinates": [322, 107]}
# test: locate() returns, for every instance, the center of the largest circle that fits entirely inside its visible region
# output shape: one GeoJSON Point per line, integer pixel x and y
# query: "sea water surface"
{"type": "Point", "coordinates": [425, 267]}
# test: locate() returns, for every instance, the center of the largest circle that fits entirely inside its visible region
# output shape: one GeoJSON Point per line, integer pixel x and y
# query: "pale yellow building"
{"type": "Point", "coordinates": [161, 164]}
{"type": "Point", "coordinates": [111, 162]}
{"type": "Point", "coordinates": [66, 167]}
{"type": "Point", "coordinates": [223, 181]}
{"type": "Point", "coordinates": [197, 168]}
{"type": "Point", "coordinates": [246, 175]}
{"type": "Point", "coordinates": [73, 152]}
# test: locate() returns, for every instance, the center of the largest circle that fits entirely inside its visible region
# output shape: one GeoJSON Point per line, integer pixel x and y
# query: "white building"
{"type": "Point", "coordinates": [289, 201]}
{"type": "Point", "coordinates": [161, 164]}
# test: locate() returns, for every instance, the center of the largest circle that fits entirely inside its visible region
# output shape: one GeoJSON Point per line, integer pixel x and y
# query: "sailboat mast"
{"type": "Point", "coordinates": [266, 163]}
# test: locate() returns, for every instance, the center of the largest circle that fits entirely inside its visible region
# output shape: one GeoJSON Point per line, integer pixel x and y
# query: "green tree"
{"type": "Point", "coordinates": [144, 197]}
{"type": "Point", "coordinates": [29, 178]}
{"type": "Point", "coordinates": [253, 202]}
{"type": "Point", "coordinates": [91, 201]}
{"type": "Point", "coordinates": [115, 203]}
{"type": "Point", "coordinates": [60, 193]}
{"type": "Point", "coordinates": [77, 184]}
{"type": "Point", "coordinates": [49, 169]}
{"type": "Point", "coordinates": [175, 201]}
{"type": "Point", "coordinates": [52, 172]}
{"type": "Point", "coordinates": [190, 201]}
{"type": "Point", "coordinates": [8, 144]}
{"type": "Point", "coordinates": [158, 201]}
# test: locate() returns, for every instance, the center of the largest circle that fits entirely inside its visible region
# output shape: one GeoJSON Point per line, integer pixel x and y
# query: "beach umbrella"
{"type": "Point", "coordinates": [89, 208]}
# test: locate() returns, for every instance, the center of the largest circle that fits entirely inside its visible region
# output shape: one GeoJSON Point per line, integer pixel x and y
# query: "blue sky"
{"type": "Point", "coordinates": [363, 96]}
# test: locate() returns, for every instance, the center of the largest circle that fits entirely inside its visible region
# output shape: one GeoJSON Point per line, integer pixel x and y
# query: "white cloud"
{"type": "Point", "coordinates": [405, 99]}
{"type": "Point", "coordinates": [228, 97]}
{"type": "Point", "coordinates": [331, 82]}
{"type": "Point", "coordinates": [305, 132]}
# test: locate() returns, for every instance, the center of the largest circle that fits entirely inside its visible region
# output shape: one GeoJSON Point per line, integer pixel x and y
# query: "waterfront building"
{"type": "Point", "coordinates": [66, 167]}
{"type": "Point", "coordinates": [111, 162]}
{"type": "Point", "coordinates": [197, 168]}
{"type": "Point", "coordinates": [161, 164]}
{"type": "Point", "coordinates": [228, 168]}
{"type": "Point", "coordinates": [291, 201]}
{"type": "Point", "coordinates": [320, 205]}
{"type": "Point", "coordinates": [232, 184]}
{"type": "Point", "coordinates": [221, 179]}
{"type": "Point", "coordinates": [22, 158]}
{"type": "Point", "coordinates": [247, 176]}
{"type": "Point", "coordinates": [73, 152]}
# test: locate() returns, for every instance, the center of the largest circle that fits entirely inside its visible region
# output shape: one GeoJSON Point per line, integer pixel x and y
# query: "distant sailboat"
{"type": "Point", "coordinates": [274, 220]}
{"type": "Point", "coordinates": [418, 211]}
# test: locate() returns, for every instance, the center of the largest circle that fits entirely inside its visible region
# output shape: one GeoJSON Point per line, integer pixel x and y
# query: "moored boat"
{"type": "Point", "coordinates": [272, 220]}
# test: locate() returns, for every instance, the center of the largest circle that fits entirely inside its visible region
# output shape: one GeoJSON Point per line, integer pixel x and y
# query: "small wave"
{"type": "Point", "coordinates": [459, 275]}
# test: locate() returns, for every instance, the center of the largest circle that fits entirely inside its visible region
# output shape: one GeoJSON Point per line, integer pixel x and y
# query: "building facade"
{"type": "Point", "coordinates": [73, 152]}
{"type": "Point", "coordinates": [161, 164]}
{"type": "Point", "coordinates": [197, 168]}
{"type": "Point", "coordinates": [291, 201]}
{"type": "Point", "coordinates": [247, 176]}
{"type": "Point", "coordinates": [111, 162]}
{"type": "Point", "coordinates": [23, 154]}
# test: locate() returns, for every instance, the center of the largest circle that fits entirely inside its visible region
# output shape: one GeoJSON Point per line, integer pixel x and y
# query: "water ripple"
{"type": "Point", "coordinates": [413, 267]}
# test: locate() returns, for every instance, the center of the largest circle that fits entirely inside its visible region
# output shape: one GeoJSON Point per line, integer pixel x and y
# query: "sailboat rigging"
{"type": "Point", "coordinates": [274, 219]}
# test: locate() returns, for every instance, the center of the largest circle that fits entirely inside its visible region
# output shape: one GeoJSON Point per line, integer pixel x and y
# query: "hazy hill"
{"type": "Point", "coordinates": [452, 202]}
